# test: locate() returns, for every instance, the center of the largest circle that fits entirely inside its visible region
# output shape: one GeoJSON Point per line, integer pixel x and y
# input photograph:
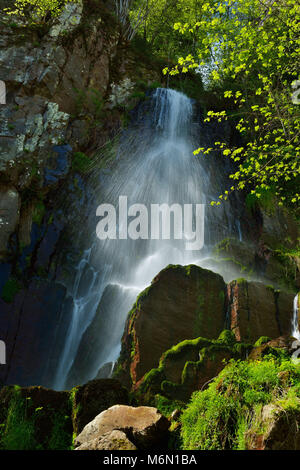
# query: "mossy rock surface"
{"type": "Point", "coordinates": [91, 399]}
{"type": "Point", "coordinates": [36, 418]}
{"type": "Point", "coordinates": [183, 302]}
{"type": "Point", "coordinates": [189, 366]}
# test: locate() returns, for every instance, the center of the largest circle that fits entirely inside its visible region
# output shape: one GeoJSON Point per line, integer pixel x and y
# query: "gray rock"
{"type": "Point", "coordinates": [146, 427]}
{"type": "Point", "coordinates": [114, 440]}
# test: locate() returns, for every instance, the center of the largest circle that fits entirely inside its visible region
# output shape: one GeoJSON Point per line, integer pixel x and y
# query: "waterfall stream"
{"type": "Point", "coordinates": [295, 324]}
{"type": "Point", "coordinates": [155, 165]}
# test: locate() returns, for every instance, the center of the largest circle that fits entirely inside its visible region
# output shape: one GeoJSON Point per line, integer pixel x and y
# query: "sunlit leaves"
{"type": "Point", "coordinates": [258, 49]}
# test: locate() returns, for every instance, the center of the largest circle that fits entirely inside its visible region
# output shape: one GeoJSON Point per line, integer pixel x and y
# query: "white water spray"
{"type": "Point", "coordinates": [155, 165]}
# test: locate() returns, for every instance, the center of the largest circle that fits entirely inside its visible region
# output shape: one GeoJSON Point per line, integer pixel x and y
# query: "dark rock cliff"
{"type": "Point", "coordinates": [58, 79]}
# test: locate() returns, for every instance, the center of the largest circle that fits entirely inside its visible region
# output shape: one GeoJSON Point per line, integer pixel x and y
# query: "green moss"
{"type": "Point", "coordinates": [10, 289]}
{"type": "Point", "coordinates": [224, 415]}
{"type": "Point", "coordinates": [18, 432]}
{"type": "Point", "coordinates": [266, 201]}
{"type": "Point", "coordinates": [167, 406]}
{"type": "Point", "coordinates": [262, 340]}
{"type": "Point", "coordinates": [39, 212]}
{"type": "Point", "coordinates": [227, 337]}
{"type": "Point", "coordinates": [59, 439]}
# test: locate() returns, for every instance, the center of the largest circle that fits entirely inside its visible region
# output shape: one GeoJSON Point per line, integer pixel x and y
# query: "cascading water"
{"type": "Point", "coordinates": [155, 165]}
{"type": "Point", "coordinates": [295, 321]}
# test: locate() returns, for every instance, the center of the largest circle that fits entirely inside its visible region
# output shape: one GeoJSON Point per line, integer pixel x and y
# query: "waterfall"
{"type": "Point", "coordinates": [155, 165]}
{"type": "Point", "coordinates": [295, 324]}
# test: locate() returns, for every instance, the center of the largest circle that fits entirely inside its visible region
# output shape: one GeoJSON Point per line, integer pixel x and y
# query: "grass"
{"type": "Point", "coordinates": [18, 431]}
{"type": "Point", "coordinates": [222, 416]}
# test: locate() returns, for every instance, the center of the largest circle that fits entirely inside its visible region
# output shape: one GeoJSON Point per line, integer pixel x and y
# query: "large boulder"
{"type": "Point", "coordinates": [146, 427]}
{"type": "Point", "coordinates": [114, 440]}
{"type": "Point", "coordinates": [94, 397]}
{"type": "Point", "coordinates": [40, 418]}
{"type": "Point", "coordinates": [256, 309]}
{"type": "Point", "coordinates": [189, 366]}
{"type": "Point", "coordinates": [183, 302]}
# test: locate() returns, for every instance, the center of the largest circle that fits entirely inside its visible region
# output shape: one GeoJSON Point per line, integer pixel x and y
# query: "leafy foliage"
{"type": "Point", "coordinates": [251, 48]}
{"type": "Point", "coordinates": [38, 10]}
{"type": "Point", "coordinates": [220, 416]}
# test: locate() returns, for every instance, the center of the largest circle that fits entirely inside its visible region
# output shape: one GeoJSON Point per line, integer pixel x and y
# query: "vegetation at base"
{"type": "Point", "coordinates": [167, 406]}
{"type": "Point", "coordinates": [249, 51]}
{"type": "Point", "coordinates": [24, 427]}
{"type": "Point", "coordinates": [18, 431]}
{"type": "Point", "coordinates": [10, 289]}
{"type": "Point", "coordinates": [222, 416]}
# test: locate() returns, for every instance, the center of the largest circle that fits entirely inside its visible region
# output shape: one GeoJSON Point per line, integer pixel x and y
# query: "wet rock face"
{"type": "Point", "coordinates": [32, 326]}
{"type": "Point", "coordinates": [146, 427]}
{"type": "Point", "coordinates": [9, 215]}
{"type": "Point", "coordinates": [44, 79]}
{"type": "Point", "coordinates": [186, 302]}
{"type": "Point", "coordinates": [183, 302]}
{"type": "Point", "coordinates": [256, 310]}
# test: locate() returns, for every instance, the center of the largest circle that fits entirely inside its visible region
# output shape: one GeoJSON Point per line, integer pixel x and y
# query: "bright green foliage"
{"type": "Point", "coordinates": [252, 48]}
{"type": "Point", "coordinates": [38, 10]}
{"type": "Point", "coordinates": [167, 406]}
{"type": "Point", "coordinates": [156, 19]}
{"type": "Point", "coordinates": [262, 340]}
{"type": "Point", "coordinates": [18, 432]}
{"type": "Point", "coordinates": [220, 416]}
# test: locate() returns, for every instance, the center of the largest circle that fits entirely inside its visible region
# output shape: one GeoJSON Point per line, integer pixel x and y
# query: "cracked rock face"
{"type": "Point", "coordinates": [44, 78]}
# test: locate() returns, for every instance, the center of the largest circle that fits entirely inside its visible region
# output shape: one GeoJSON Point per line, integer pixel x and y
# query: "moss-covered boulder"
{"type": "Point", "coordinates": [249, 405]}
{"type": "Point", "coordinates": [188, 366]}
{"type": "Point", "coordinates": [91, 399]}
{"type": "Point", "coordinates": [39, 418]}
{"type": "Point", "coordinates": [183, 302]}
{"type": "Point", "coordinates": [265, 346]}
{"type": "Point", "coordinates": [35, 418]}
